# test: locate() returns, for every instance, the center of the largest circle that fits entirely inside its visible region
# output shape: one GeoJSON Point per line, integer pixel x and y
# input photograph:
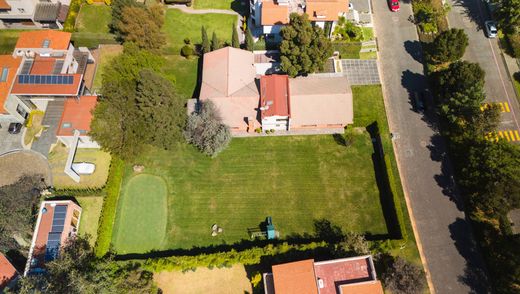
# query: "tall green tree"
{"type": "Point", "coordinates": [206, 46]}
{"type": "Point", "coordinates": [234, 36]}
{"type": "Point", "coordinates": [448, 46]}
{"type": "Point", "coordinates": [215, 42]}
{"type": "Point", "coordinates": [249, 42]}
{"type": "Point", "coordinates": [459, 76]}
{"type": "Point", "coordinates": [509, 15]}
{"type": "Point", "coordinates": [117, 14]}
{"type": "Point", "coordinates": [304, 48]}
{"type": "Point", "coordinates": [143, 26]}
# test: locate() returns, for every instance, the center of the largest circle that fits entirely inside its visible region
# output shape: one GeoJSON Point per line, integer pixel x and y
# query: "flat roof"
{"type": "Point", "coordinates": [337, 272]}
{"type": "Point", "coordinates": [57, 221]}
{"type": "Point", "coordinates": [77, 115]}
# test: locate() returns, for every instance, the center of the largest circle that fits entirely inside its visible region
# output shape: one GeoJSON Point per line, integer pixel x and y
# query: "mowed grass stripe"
{"type": "Point", "coordinates": [141, 223]}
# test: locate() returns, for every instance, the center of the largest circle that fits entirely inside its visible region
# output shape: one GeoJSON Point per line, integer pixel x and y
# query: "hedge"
{"type": "Point", "coordinates": [395, 197]}
{"type": "Point", "coordinates": [70, 22]}
{"type": "Point", "coordinates": [108, 211]}
{"type": "Point", "coordinates": [228, 258]}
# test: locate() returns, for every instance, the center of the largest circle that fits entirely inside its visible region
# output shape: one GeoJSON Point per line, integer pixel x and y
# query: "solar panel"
{"type": "Point", "coordinates": [46, 79]}
{"type": "Point", "coordinates": [60, 208]}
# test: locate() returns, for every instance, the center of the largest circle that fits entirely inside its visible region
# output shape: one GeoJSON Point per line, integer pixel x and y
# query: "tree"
{"type": "Point", "coordinates": [304, 48]}
{"type": "Point", "coordinates": [459, 75]}
{"type": "Point", "coordinates": [509, 15]}
{"type": "Point", "coordinates": [234, 36]}
{"type": "Point", "coordinates": [249, 42]}
{"type": "Point", "coordinates": [215, 43]}
{"type": "Point", "coordinates": [161, 108]}
{"type": "Point", "coordinates": [448, 46]}
{"type": "Point", "coordinates": [352, 244]}
{"type": "Point", "coordinates": [117, 12]}
{"type": "Point", "coordinates": [404, 278]}
{"type": "Point", "coordinates": [206, 47]}
{"type": "Point", "coordinates": [17, 202]}
{"type": "Point", "coordinates": [142, 26]}
{"type": "Point", "coordinates": [206, 131]}
{"type": "Point", "coordinates": [77, 270]}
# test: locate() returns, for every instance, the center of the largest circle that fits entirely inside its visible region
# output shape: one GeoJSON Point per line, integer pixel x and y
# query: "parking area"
{"type": "Point", "coordinates": [9, 142]}
{"type": "Point", "coordinates": [361, 72]}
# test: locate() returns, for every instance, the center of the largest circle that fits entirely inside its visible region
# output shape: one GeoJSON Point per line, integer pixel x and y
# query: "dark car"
{"type": "Point", "coordinates": [14, 128]}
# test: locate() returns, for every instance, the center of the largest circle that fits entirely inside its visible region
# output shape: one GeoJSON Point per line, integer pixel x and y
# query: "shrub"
{"type": "Point", "coordinates": [347, 31]}
{"type": "Point", "coordinates": [404, 277]}
{"type": "Point", "coordinates": [187, 41]}
{"type": "Point", "coordinates": [70, 22]}
{"type": "Point", "coordinates": [514, 42]}
{"type": "Point", "coordinates": [256, 279]}
{"type": "Point", "coordinates": [187, 51]}
{"type": "Point", "coordinates": [206, 131]}
{"type": "Point", "coordinates": [108, 211]}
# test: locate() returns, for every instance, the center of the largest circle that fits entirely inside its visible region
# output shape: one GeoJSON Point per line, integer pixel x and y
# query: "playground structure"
{"type": "Point", "coordinates": [270, 233]}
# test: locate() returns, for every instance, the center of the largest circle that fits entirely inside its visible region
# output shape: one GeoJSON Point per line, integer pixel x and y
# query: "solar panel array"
{"type": "Point", "coordinates": [54, 237]}
{"type": "Point", "coordinates": [46, 79]}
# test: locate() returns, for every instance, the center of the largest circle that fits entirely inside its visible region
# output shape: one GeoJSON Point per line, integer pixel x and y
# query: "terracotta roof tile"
{"type": "Point", "coordinates": [326, 10]}
{"type": "Point", "coordinates": [43, 65]}
{"type": "Point", "coordinates": [275, 96]}
{"type": "Point", "coordinates": [57, 40]}
{"type": "Point", "coordinates": [362, 288]}
{"type": "Point", "coordinates": [7, 271]}
{"type": "Point", "coordinates": [4, 5]}
{"type": "Point", "coordinates": [11, 64]}
{"type": "Point", "coordinates": [273, 14]}
{"type": "Point", "coordinates": [295, 278]}
{"type": "Point", "coordinates": [77, 114]}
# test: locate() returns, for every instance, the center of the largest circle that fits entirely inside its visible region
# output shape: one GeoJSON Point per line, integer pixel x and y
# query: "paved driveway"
{"type": "Point", "coordinates": [448, 248]}
{"type": "Point", "coordinates": [9, 142]}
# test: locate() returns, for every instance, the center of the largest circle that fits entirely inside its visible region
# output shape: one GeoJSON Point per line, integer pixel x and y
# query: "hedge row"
{"type": "Point", "coordinates": [395, 196]}
{"type": "Point", "coordinates": [70, 22]}
{"type": "Point", "coordinates": [108, 212]}
{"type": "Point", "coordinates": [228, 258]}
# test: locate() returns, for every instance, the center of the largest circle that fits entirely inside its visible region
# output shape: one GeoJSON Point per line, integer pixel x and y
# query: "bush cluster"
{"type": "Point", "coordinates": [108, 211]}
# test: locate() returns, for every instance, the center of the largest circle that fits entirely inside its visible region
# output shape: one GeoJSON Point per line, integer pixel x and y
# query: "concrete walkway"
{"type": "Point", "coordinates": [191, 10]}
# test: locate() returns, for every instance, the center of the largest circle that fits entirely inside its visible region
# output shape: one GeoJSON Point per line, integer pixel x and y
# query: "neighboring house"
{"type": "Point", "coordinates": [30, 14]}
{"type": "Point", "coordinates": [247, 101]}
{"type": "Point", "coordinates": [355, 275]}
{"type": "Point", "coordinates": [44, 67]}
{"type": "Point", "coordinates": [272, 15]}
{"type": "Point", "coordinates": [8, 273]}
{"type": "Point", "coordinates": [77, 115]}
{"type": "Point", "coordinates": [57, 222]}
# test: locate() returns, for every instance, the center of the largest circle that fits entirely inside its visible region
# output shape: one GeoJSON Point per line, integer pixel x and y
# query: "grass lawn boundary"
{"type": "Point", "coordinates": [108, 212]}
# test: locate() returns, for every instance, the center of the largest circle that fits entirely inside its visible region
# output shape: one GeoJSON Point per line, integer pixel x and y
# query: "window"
{"type": "Point", "coordinates": [5, 73]}
{"type": "Point", "coordinates": [66, 125]}
{"type": "Point", "coordinates": [46, 43]}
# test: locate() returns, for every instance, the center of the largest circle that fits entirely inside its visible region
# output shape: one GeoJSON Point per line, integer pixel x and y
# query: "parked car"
{"type": "Point", "coordinates": [84, 168]}
{"type": "Point", "coordinates": [14, 128]}
{"type": "Point", "coordinates": [394, 5]}
{"type": "Point", "coordinates": [491, 28]}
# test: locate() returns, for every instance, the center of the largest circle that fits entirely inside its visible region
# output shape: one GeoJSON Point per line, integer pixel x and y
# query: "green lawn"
{"type": "Point", "coordinates": [91, 210]}
{"type": "Point", "coordinates": [106, 54]}
{"type": "Point", "coordinates": [141, 222]}
{"type": "Point", "coordinates": [236, 5]}
{"type": "Point", "coordinates": [179, 25]}
{"type": "Point", "coordinates": [347, 50]}
{"type": "Point", "coordinates": [8, 40]}
{"type": "Point", "coordinates": [183, 72]}
{"type": "Point", "coordinates": [94, 19]}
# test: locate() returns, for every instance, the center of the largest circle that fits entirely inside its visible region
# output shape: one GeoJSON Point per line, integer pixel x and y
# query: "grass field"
{"type": "Point", "coordinates": [142, 217]}
{"type": "Point", "coordinates": [183, 71]}
{"type": "Point", "coordinates": [91, 210]}
{"type": "Point", "coordinates": [231, 280]}
{"type": "Point", "coordinates": [8, 40]}
{"type": "Point", "coordinates": [94, 19]}
{"type": "Point", "coordinates": [239, 6]}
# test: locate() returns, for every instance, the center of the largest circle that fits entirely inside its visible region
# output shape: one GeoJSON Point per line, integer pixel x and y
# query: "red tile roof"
{"type": "Point", "coordinates": [12, 64]}
{"type": "Point", "coordinates": [7, 272]}
{"type": "Point", "coordinates": [274, 95]}
{"type": "Point", "coordinates": [4, 5]}
{"type": "Point", "coordinates": [77, 114]}
{"type": "Point", "coordinates": [325, 10]}
{"type": "Point", "coordinates": [43, 65]}
{"type": "Point", "coordinates": [373, 287]}
{"type": "Point", "coordinates": [295, 278]}
{"type": "Point", "coordinates": [57, 40]}
{"type": "Point", "coordinates": [274, 14]}
{"type": "Point", "coordinates": [342, 271]}
{"type": "Point", "coordinates": [49, 89]}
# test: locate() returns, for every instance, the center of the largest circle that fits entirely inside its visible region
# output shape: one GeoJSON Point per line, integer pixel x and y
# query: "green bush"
{"type": "Point", "coordinates": [108, 212]}
{"type": "Point", "coordinates": [347, 31]}
{"type": "Point", "coordinates": [187, 51]}
{"type": "Point", "coordinates": [70, 22]}
{"type": "Point", "coordinates": [514, 42]}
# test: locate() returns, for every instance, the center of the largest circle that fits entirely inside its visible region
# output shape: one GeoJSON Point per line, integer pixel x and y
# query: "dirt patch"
{"type": "Point", "coordinates": [15, 165]}
{"type": "Point", "coordinates": [203, 280]}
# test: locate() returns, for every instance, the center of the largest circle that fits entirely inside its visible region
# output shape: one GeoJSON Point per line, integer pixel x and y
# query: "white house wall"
{"type": "Point", "coordinates": [84, 142]}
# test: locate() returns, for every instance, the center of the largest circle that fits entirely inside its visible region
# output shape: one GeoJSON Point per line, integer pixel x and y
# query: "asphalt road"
{"type": "Point", "coordinates": [448, 249]}
{"type": "Point", "coordinates": [470, 15]}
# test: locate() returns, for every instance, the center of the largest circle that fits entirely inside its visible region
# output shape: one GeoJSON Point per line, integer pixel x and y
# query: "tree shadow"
{"type": "Point", "coordinates": [474, 10]}
{"type": "Point", "coordinates": [475, 273]}
{"type": "Point", "coordinates": [414, 48]}
{"type": "Point", "coordinates": [196, 91]}
{"type": "Point", "coordinates": [240, 6]}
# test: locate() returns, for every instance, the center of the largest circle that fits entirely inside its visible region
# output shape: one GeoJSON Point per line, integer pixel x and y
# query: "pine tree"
{"type": "Point", "coordinates": [206, 47]}
{"type": "Point", "coordinates": [249, 40]}
{"type": "Point", "coordinates": [234, 37]}
{"type": "Point", "coordinates": [215, 44]}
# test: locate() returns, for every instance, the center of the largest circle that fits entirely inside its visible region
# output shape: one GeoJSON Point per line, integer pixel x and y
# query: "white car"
{"type": "Point", "coordinates": [491, 28]}
{"type": "Point", "coordinates": [84, 168]}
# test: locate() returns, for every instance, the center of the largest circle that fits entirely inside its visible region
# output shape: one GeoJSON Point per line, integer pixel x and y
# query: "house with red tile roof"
{"type": "Point", "coordinates": [57, 221]}
{"type": "Point", "coordinates": [247, 101]}
{"type": "Point", "coordinates": [272, 15]}
{"type": "Point", "coordinates": [31, 14]}
{"type": "Point", "coordinates": [77, 116]}
{"type": "Point", "coordinates": [8, 273]}
{"type": "Point", "coordinates": [44, 68]}
{"type": "Point", "coordinates": [354, 275]}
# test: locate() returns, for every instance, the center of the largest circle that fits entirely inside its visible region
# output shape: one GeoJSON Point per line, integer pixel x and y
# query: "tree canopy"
{"type": "Point", "coordinates": [448, 46]}
{"type": "Point", "coordinates": [304, 48]}
{"type": "Point", "coordinates": [509, 15]}
{"type": "Point", "coordinates": [117, 7]}
{"type": "Point", "coordinates": [404, 277]}
{"type": "Point", "coordinates": [142, 25]}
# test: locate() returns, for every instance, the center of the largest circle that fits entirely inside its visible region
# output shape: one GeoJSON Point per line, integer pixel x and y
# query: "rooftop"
{"type": "Point", "coordinates": [7, 272]}
{"type": "Point", "coordinates": [55, 40]}
{"type": "Point", "coordinates": [77, 115]}
{"type": "Point", "coordinates": [295, 278]}
{"type": "Point", "coordinates": [47, 11]}
{"type": "Point", "coordinates": [57, 221]}
{"type": "Point", "coordinates": [47, 85]}
{"type": "Point", "coordinates": [275, 96]}
{"type": "Point", "coordinates": [326, 10]}
{"type": "Point", "coordinates": [343, 271]}
{"type": "Point", "coordinates": [8, 68]}
{"type": "Point", "coordinates": [4, 5]}
{"type": "Point", "coordinates": [273, 14]}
